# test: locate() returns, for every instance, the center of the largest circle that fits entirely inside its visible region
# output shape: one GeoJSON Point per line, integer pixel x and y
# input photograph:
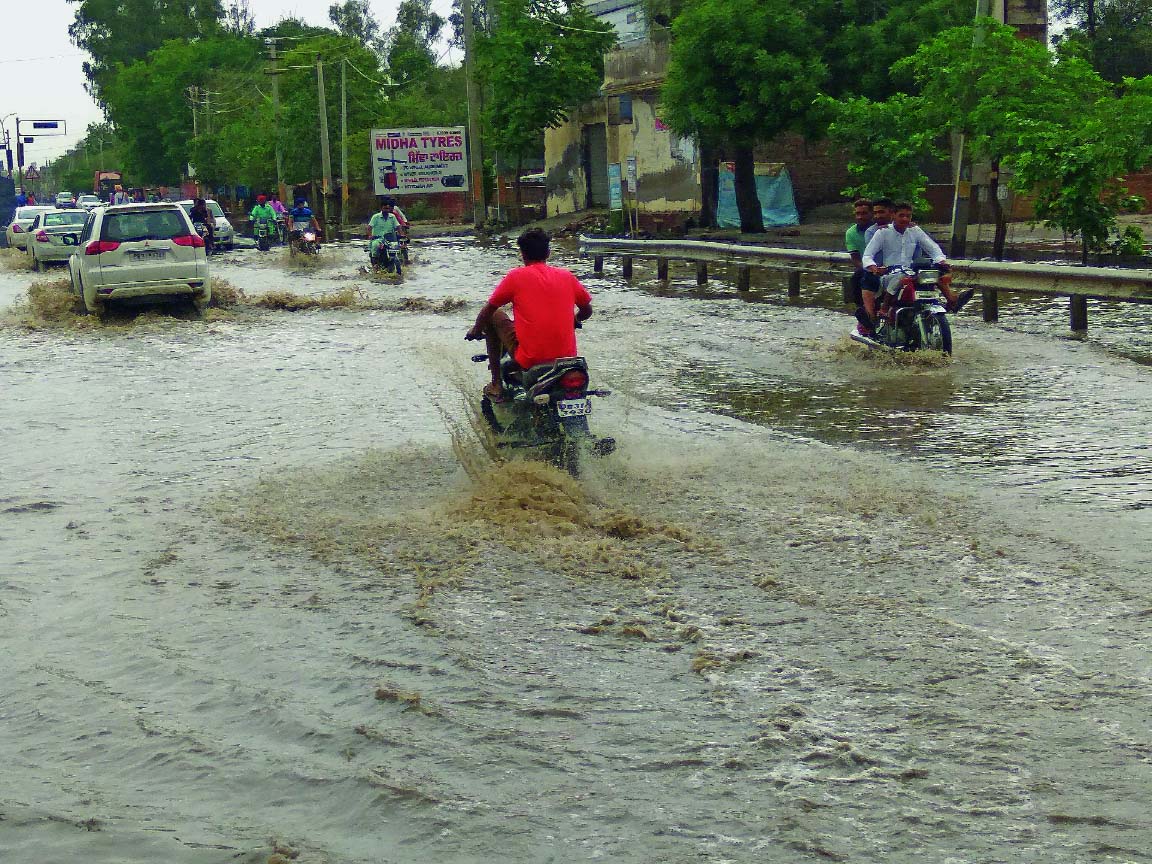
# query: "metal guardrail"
{"type": "Point", "coordinates": [1052, 280]}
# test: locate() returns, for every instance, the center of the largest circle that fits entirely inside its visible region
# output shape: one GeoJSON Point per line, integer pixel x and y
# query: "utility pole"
{"type": "Point", "coordinates": [325, 155]}
{"type": "Point", "coordinates": [962, 165]}
{"type": "Point", "coordinates": [19, 157]}
{"type": "Point", "coordinates": [344, 144]}
{"type": "Point", "coordinates": [280, 189]}
{"type": "Point", "coordinates": [475, 152]}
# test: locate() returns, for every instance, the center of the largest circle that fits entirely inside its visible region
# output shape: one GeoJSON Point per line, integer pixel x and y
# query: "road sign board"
{"type": "Point", "coordinates": [42, 127]}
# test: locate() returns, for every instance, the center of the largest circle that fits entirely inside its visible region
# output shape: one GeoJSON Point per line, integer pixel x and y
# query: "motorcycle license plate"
{"type": "Point", "coordinates": [573, 407]}
{"type": "Point", "coordinates": [925, 295]}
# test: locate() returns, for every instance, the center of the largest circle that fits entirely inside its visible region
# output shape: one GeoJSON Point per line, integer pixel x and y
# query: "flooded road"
{"type": "Point", "coordinates": [263, 593]}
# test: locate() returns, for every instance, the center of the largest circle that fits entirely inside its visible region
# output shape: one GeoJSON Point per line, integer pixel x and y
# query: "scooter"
{"type": "Point", "coordinates": [546, 409]}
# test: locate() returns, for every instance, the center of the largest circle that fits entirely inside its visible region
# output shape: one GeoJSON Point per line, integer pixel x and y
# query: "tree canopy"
{"type": "Point", "coordinates": [112, 33]}
{"type": "Point", "coordinates": [543, 59]}
{"type": "Point", "coordinates": [1055, 125]}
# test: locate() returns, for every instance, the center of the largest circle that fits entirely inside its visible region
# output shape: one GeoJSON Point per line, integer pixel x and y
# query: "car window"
{"type": "Point", "coordinates": [87, 232]}
{"type": "Point", "coordinates": [69, 218]}
{"type": "Point", "coordinates": [143, 225]}
{"type": "Point", "coordinates": [215, 209]}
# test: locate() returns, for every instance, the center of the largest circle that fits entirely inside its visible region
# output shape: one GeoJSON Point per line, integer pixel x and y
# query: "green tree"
{"type": "Point", "coordinates": [299, 101]}
{"type": "Point", "coordinates": [410, 54]}
{"type": "Point", "coordinates": [151, 101]}
{"type": "Point", "coordinates": [1116, 35]}
{"type": "Point", "coordinates": [733, 85]}
{"type": "Point", "coordinates": [541, 60]}
{"type": "Point", "coordinates": [354, 19]}
{"type": "Point", "coordinates": [1019, 107]}
{"type": "Point", "coordinates": [861, 40]}
{"type": "Point", "coordinates": [115, 32]}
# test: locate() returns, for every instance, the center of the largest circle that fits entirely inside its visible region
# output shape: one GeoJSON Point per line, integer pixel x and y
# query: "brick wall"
{"type": "Point", "coordinates": [818, 169]}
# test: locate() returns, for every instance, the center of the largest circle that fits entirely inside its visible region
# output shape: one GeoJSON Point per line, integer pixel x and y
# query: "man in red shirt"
{"type": "Point", "coordinates": [542, 298]}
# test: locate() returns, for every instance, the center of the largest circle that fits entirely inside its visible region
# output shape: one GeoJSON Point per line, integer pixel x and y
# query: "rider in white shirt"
{"type": "Point", "coordinates": [895, 248]}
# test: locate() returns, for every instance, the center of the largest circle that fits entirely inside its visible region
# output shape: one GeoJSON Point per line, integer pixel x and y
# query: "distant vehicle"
{"type": "Point", "coordinates": [104, 183]}
{"type": "Point", "coordinates": [225, 233]}
{"type": "Point", "coordinates": [17, 231]}
{"type": "Point", "coordinates": [54, 236]}
{"type": "Point", "coordinates": [141, 254]}
{"type": "Point", "coordinates": [87, 202]}
{"type": "Point", "coordinates": [65, 199]}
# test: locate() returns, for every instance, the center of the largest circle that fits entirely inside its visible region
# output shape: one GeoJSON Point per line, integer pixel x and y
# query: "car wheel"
{"type": "Point", "coordinates": [79, 306]}
{"type": "Point", "coordinates": [38, 264]}
{"type": "Point", "coordinates": [230, 245]}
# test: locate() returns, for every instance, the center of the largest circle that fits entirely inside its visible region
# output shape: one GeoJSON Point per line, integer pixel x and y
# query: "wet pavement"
{"type": "Point", "coordinates": [262, 588]}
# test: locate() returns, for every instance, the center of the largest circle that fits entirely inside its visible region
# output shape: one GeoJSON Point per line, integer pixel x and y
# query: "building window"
{"type": "Point", "coordinates": [626, 108]}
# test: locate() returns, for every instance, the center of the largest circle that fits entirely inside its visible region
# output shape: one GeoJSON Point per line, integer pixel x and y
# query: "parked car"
{"type": "Point", "coordinates": [225, 234]}
{"type": "Point", "coordinates": [140, 254]}
{"type": "Point", "coordinates": [87, 202]}
{"type": "Point", "coordinates": [54, 236]}
{"type": "Point", "coordinates": [17, 229]}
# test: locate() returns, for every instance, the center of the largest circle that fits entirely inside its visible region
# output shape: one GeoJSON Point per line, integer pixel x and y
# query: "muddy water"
{"type": "Point", "coordinates": [260, 590]}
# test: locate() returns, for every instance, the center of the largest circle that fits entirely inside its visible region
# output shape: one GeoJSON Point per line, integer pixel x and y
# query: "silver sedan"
{"type": "Point", "coordinates": [54, 236]}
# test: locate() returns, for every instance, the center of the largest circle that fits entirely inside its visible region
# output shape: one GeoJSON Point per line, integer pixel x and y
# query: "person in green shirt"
{"type": "Point", "coordinates": [381, 225]}
{"type": "Point", "coordinates": [855, 241]}
{"type": "Point", "coordinates": [263, 211]}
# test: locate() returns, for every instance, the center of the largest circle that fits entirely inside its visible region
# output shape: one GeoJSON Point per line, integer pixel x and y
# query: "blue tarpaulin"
{"type": "Point", "coordinates": [773, 186]}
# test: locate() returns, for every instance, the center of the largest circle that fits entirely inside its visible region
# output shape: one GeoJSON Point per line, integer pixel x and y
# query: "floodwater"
{"type": "Point", "coordinates": [265, 597]}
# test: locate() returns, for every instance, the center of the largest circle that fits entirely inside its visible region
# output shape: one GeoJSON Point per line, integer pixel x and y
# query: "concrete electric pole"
{"type": "Point", "coordinates": [475, 151]}
{"type": "Point", "coordinates": [325, 153]}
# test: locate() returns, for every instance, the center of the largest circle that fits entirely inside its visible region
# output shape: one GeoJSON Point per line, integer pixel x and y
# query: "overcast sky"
{"type": "Point", "coordinates": [43, 79]}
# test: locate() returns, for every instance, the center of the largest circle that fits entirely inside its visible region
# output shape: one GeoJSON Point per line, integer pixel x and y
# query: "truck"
{"type": "Point", "coordinates": [104, 183]}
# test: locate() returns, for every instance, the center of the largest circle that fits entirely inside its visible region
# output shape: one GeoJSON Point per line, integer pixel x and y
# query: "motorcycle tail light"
{"type": "Point", "coordinates": [908, 290]}
{"type": "Point", "coordinates": [98, 247]}
{"type": "Point", "coordinates": [573, 379]}
{"type": "Point", "coordinates": [193, 240]}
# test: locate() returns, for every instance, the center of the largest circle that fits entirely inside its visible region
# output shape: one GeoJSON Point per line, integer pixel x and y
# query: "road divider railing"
{"type": "Point", "coordinates": [1079, 284]}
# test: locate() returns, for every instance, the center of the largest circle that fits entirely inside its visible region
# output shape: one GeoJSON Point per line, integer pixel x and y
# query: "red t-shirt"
{"type": "Point", "coordinates": [543, 300]}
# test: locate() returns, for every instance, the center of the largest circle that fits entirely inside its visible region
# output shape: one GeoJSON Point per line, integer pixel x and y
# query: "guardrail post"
{"type": "Point", "coordinates": [598, 264]}
{"type": "Point", "coordinates": [793, 283]}
{"type": "Point", "coordinates": [662, 269]}
{"type": "Point", "coordinates": [846, 292]}
{"type": "Point", "coordinates": [991, 302]}
{"type": "Point", "coordinates": [701, 272]}
{"type": "Point", "coordinates": [744, 279]}
{"type": "Point", "coordinates": [1078, 312]}
{"type": "Point", "coordinates": [626, 266]}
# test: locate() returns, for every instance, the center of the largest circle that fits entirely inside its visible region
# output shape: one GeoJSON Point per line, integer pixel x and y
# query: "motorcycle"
{"type": "Point", "coordinates": [304, 241]}
{"type": "Point", "coordinates": [262, 231]}
{"type": "Point", "coordinates": [546, 408]}
{"type": "Point", "coordinates": [202, 230]}
{"type": "Point", "coordinates": [389, 255]}
{"type": "Point", "coordinates": [915, 318]}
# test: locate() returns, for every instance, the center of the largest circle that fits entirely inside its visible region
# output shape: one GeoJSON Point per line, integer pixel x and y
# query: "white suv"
{"type": "Point", "coordinates": [142, 253]}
